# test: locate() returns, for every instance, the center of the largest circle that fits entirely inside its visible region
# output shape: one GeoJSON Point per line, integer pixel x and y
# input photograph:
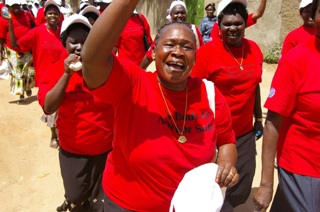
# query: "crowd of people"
{"type": "Point", "coordinates": [127, 137]}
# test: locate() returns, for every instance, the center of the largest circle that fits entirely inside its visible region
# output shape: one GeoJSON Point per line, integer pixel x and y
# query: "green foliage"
{"type": "Point", "coordinates": [272, 56]}
{"type": "Point", "coordinates": [195, 11]}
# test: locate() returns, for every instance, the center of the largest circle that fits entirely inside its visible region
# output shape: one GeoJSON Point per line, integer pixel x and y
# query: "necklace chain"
{"type": "Point", "coordinates": [240, 64]}
{"type": "Point", "coordinates": [182, 138]}
{"type": "Point", "coordinates": [49, 30]}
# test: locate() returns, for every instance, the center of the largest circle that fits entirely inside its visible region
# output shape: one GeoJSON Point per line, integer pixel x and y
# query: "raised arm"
{"type": "Point", "coordinates": [259, 12]}
{"type": "Point", "coordinates": [96, 53]}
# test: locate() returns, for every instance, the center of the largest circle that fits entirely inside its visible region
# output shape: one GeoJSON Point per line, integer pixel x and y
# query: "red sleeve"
{"type": "Point", "coordinates": [27, 41]}
{"type": "Point", "coordinates": [250, 21]}
{"type": "Point", "coordinates": [215, 31]}
{"type": "Point", "coordinates": [3, 28]}
{"type": "Point", "coordinates": [199, 36]}
{"type": "Point", "coordinates": [225, 133]}
{"type": "Point", "coordinates": [40, 17]}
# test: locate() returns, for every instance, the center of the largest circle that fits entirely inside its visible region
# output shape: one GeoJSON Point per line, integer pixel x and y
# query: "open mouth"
{"type": "Point", "coordinates": [176, 66]}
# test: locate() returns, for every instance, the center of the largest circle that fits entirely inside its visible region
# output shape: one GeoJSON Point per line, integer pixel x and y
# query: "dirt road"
{"type": "Point", "coordinates": [30, 178]}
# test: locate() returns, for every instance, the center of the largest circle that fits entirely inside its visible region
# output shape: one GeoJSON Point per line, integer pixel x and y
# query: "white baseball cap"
{"type": "Point", "coordinates": [51, 2]}
{"type": "Point", "coordinates": [305, 3]}
{"type": "Point", "coordinates": [198, 191]}
{"type": "Point", "coordinates": [12, 2]}
{"type": "Point", "coordinates": [224, 3]}
{"type": "Point", "coordinates": [74, 19]}
{"type": "Point", "coordinates": [106, 1]}
{"type": "Point", "coordinates": [89, 9]}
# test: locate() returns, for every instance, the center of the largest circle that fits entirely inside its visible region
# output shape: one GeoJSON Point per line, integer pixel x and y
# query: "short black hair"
{"type": "Point", "coordinates": [64, 35]}
{"type": "Point", "coordinates": [92, 15]}
{"type": "Point", "coordinates": [210, 4]}
{"type": "Point", "coordinates": [51, 6]}
{"type": "Point", "coordinates": [169, 24]}
{"type": "Point", "coordinates": [234, 8]}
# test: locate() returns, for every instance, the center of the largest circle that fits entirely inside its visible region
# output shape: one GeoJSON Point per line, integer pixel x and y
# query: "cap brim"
{"type": "Point", "coordinates": [74, 19]}
{"type": "Point", "coordinates": [89, 9]}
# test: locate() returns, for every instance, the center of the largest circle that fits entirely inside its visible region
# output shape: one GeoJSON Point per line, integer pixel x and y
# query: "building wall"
{"type": "Point", "coordinates": [280, 17]}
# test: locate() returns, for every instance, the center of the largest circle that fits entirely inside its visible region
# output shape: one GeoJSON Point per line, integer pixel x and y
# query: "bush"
{"type": "Point", "coordinates": [272, 56]}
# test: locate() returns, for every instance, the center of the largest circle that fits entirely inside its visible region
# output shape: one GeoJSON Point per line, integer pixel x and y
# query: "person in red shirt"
{"type": "Point", "coordinates": [22, 78]}
{"type": "Point", "coordinates": [85, 123]}
{"type": "Point", "coordinates": [130, 44]}
{"type": "Point", "coordinates": [176, 12]}
{"type": "Point", "coordinates": [303, 32]}
{"type": "Point", "coordinates": [164, 125]}
{"type": "Point", "coordinates": [252, 17]}
{"type": "Point", "coordinates": [41, 19]}
{"type": "Point", "coordinates": [236, 70]}
{"type": "Point", "coordinates": [46, 49]}
{"type": "Point", "coordinates": [292, 130]}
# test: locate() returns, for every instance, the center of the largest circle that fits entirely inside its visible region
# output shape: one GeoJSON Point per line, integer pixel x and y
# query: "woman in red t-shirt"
{"type": "Point", "coordinates": [236, 70]}
{"type": "Point", "coordinates": [164, 125]}
{"type": "Point", "coordinates": [22, 76]}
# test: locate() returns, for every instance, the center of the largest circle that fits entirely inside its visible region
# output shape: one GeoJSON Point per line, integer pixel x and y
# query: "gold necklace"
{"type": "Point", "coordinates": [240, 64]}
{"type": "Point", "coordinates": [182, 139]}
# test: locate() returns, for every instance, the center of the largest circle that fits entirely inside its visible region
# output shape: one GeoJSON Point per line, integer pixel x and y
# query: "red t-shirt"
{"type": "Point", "coordinates": [85, 123]}
{"type": "Point", "coordinates": [295, 94]}
{"type": "Point", "coordinates": [130, 43]}
{"type": "Point", "coordinates": [295, 37]}
{"type": "Point", "coordinates": [236, 85]}
{"type": "Point", "coordinates": [147, 162]}
{"type": "Point", "coordinates": [40, 18]}
{"type": "Point", "coordinates": [46, 48]}
{"type": "Point", "coordinates": [21, 24]}
{"type": "Point", "coordinates": [215, 28]}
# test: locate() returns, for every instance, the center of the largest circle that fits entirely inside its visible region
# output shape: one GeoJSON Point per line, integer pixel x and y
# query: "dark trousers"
{"type": "Point", "coordinates": [246, 167]}
{"type": "Point", "coordinates": [82, 177]}
{"type": "Point", "coordinates": [296, 193]}
{"type": "Point", "coordinates": [110, 206]}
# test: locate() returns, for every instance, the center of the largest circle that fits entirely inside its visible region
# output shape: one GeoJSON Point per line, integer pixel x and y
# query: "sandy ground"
{"type": "Point", "coordinates": [30, 177]}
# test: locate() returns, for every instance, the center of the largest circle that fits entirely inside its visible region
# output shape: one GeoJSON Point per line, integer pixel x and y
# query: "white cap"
{"type": "Point", "coordinates": [89, 9]}
{"type": "Point", "coordinates": [12, 2]}
{"type": "Point", "coordinates": [173, 4]}
{"type": "Point", "coordinates": [73, 19]}
{"type": "Point", "coordinates": [198, 191]}
{"type": "Point", "coordinates": [83, 5]}
{"type": "Point", "coordinates": [305, 3]}
{"type": "Point", "coordinates": [224, 3]}
{"type": "Point", "coordinates": [106, 1]}
{"type": "Point", "coordinates": [51, 2]}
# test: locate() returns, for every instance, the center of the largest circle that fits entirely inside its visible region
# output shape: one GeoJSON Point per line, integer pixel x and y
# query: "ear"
{"type": "Point", "coordinates": [153, 52]}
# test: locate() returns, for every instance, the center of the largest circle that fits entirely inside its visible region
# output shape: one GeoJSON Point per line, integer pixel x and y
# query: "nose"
{"type": "Point", "coordinates": [177, 51]}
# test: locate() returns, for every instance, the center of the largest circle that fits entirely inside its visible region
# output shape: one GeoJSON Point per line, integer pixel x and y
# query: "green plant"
{"type": "Point", "coordinates": [272, 56]}
{"type": "Point", "coordinates": [195, 11]}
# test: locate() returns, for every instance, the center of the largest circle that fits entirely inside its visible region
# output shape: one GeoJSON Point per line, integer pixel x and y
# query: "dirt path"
{"type": "Point", "coordinates": [30, 178]}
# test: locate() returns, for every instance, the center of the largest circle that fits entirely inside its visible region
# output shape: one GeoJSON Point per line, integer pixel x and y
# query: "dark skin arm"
{"type": "Point", "coordinates": [227, 158]}
{"type": "Point", "coordinates": [97, 64]}
{"type": "Point", "coordinates": [13, 39]}
{"type": "Point", "coordinates": [263, 196]}
{"type": "Point", "coordinates": [260, 11]}
{"type": "Point", "coordinates": [258, 112]}
{"type": "Point", "coordinates": [145, 63]}
{"type": "Point", "coordinates": [55, 96]}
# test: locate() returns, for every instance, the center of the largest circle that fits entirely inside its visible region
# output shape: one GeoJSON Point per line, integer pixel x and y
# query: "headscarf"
{"type": "Point", "coordinates": [173, 4]}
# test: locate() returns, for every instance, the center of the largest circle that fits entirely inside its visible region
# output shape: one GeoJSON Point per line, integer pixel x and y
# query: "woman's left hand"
{"type": "Point", "coordinates": [227, 174]}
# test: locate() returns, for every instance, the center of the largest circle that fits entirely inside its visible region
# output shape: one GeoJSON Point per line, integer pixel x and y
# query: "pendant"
{"type": "Point", "coordinates": [241, 68]}
{"type": "Point", "coordinates": [182, 139]}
